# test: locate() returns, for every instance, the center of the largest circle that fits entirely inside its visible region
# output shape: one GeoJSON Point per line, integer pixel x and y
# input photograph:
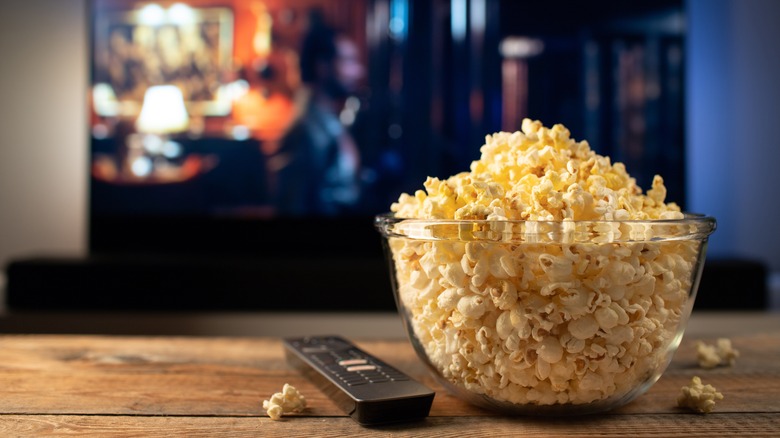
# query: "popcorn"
{"type": "Point", "coordinates": [698, 397]}
{"type": "Point", "coordinates": [289, 400]}
{"type": "Point", "coordinates": [505, 311]}
{"type": "Point", "coordinates": [711, 356]}
{"type": "Point", "coordinates": [538, 174]}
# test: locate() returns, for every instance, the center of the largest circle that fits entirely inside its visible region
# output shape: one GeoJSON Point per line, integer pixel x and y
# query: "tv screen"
{"type": "Point", "coordinates": [257, 139]}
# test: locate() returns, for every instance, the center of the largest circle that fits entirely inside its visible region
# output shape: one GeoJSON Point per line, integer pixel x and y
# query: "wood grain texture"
{"type": "Point", "coordinates": [652, 425]}
{"type": "Point", "coordinates": [169, 386]}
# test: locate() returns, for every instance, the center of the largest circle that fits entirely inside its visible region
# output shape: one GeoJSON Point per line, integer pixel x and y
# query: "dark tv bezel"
{"type": "Point", "coordinates": [205, 235]}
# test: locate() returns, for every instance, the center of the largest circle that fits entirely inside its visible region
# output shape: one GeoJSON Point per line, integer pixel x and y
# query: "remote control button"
{"type": "Point", "coordinates": [394, 373]}
{"type": "Point", "coordinates": [354, 378]}
{"type": "Point", "coordinates": [375, 376]}
{"type": "Point", "coordinates": [398, 378]}
{"type": "Point", "coordinates": [350, 362]}
{"type": "Point", "coordinates": [361, 368]}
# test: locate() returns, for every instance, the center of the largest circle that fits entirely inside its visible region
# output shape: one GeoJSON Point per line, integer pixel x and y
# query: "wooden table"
{"type": "Point", "coordinates": [195, 386]}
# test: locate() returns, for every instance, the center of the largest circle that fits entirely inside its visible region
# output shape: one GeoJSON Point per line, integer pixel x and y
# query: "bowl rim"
{"type": "Point", "coordinates": [691, 227]}
{"type": "Point", "coordinates": [688, 217]}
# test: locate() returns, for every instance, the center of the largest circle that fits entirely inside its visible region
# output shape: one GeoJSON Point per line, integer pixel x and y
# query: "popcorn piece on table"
{"type": "Point", "coordinates": [698, 397]}
{"type": "Point", "coordinates": [727, 352]}
{"type": "Point", "coordinates": [711, 356]}
{"type": "Point", "coordinates": [289, 400]}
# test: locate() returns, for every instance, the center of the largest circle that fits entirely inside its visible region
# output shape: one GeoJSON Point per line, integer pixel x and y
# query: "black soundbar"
{"type": "Point", "coordinates": [171, 283]}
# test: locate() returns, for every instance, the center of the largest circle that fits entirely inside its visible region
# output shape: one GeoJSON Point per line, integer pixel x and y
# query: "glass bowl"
{"type": "Point", "coordinates": [545, 318]}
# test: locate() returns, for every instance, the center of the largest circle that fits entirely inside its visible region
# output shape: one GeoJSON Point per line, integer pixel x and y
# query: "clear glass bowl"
{"type": "Point", "coordinates": [546, 318]}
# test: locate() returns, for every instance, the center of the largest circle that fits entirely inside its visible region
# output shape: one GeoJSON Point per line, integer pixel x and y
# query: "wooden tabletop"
{"type": "Point", "coordinates": [197, 386]}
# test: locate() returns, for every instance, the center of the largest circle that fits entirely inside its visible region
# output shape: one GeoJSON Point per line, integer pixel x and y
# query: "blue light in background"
{"type": "Point", "coordinates": [733, 102]}
{"type": "Point", "coordinates": [399, 17]}
{"type": "Point", "coordinates": [458, 19]}
{"type": "Point", "coordinates": [709, 150]}
{"type": "Point", "coordinates": [478, 15]}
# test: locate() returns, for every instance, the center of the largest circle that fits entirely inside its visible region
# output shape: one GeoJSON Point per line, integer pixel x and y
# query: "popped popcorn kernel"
{"type": "Point", "coordinates": [721, 353]}
{"type": "Point", "coordinates": [287, 401]}
{"type": "Point", "coordinates": [698, 397]}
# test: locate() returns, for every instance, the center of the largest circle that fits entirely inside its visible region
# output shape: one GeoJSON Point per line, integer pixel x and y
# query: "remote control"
{"type": "Point", "coordinates": [367, 389]}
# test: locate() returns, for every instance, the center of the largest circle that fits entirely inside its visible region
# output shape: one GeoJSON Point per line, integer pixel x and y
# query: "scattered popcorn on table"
{"type": "Point", "coordinates": [289, 400]}
{"type": "Point", "coordinates": [543, 323]}
{"type": "Point", "coordinates": [698, 397]}
{"type": "Point", "coordinates": [711, 356]}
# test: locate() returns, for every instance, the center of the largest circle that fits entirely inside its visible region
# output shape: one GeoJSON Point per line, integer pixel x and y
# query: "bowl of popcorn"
{"type": "Point", "coordinates": [544, 281]}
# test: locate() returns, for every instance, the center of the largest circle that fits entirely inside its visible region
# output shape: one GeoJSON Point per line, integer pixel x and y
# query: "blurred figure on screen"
{"type": "Point", "coordinates": [318, 162]}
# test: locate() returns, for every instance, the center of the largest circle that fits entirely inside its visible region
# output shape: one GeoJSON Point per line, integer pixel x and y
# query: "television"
{"type": "Point", "coordinates": [239, 149]}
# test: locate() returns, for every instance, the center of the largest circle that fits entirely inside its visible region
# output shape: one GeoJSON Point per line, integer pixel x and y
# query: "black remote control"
{"type": "Point", "coordinates": [367, 389]}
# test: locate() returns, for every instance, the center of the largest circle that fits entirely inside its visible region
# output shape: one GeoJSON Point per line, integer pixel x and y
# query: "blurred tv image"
{"type": "Point", "coordinates": [198, 108]}
{"type": "Point", "coordinates": [320, 109]}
